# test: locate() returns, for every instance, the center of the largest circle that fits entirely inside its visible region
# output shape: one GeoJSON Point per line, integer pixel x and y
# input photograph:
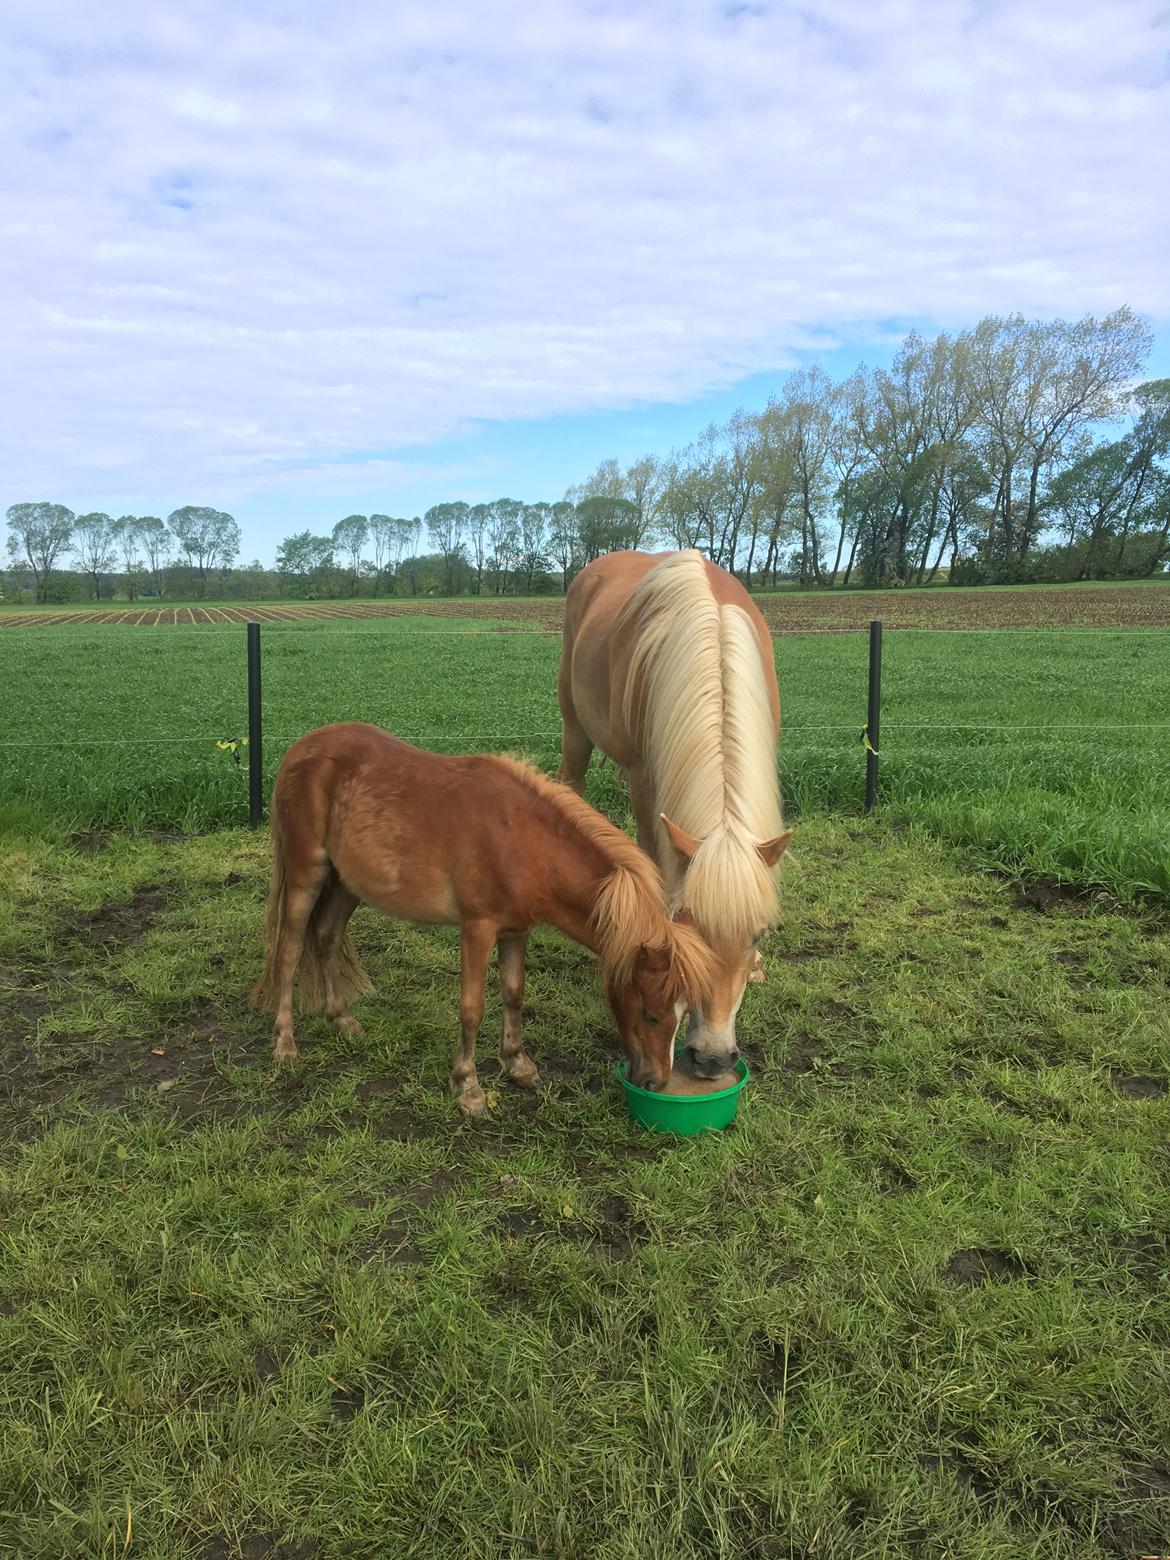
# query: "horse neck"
{"type": "Point", "coordinates": [698, 695]}
{"type": "Point", "coordinates": [582, 874]}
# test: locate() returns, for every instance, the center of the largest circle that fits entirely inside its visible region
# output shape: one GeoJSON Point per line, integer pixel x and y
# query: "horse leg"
{"type": "Point", "coordinates": [476, 940]}
{"type": "Point", "coordinates": [332, 920]}
{"type": "Point", "coordinates": [302, 886]}
{"type": "Point", "coordinates": [513, 1058]}
{"type": "Point", "coordinates": [576, 744]}
{"type": "Point", "coordinates": [646, 818]}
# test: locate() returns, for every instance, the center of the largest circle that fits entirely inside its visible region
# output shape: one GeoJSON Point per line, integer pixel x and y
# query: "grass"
{"type": "Point", "coordinates": [913, 1304]}
{"type": "Point", "coordinates": [1043, 752]}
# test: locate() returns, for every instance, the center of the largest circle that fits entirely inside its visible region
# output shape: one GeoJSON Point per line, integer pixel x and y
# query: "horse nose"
{"type": "Point", "coordinates": [709, 1064]}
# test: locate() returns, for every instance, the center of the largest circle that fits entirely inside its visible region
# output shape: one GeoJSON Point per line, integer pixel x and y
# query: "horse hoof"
{"type": "Point", "coordinates": [347, 1024]}
{"type": "Point", "coordinates": [285, 1051]}
{"type": "Point", "coordinates": [524, 1075]}
{"type": "Point", "coordinates": [473, 1102]}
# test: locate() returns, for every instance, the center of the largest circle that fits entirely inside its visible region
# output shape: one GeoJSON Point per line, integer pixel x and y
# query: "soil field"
{"type": "Point", "coordinates": [1094, 606]}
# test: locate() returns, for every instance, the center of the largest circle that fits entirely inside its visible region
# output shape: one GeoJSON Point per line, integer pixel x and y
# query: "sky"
{"type": "Point", "coordinates": [298, 261]}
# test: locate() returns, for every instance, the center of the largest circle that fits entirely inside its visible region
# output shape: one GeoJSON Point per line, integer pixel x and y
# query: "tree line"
{"type": "Point", "coordinates": [138, 551]}
{"type": "Point", "coordinates": [980, 454]}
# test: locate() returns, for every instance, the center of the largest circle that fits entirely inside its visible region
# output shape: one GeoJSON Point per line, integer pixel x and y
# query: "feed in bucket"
{"type": "Point", "coordinates": [687, 1105]}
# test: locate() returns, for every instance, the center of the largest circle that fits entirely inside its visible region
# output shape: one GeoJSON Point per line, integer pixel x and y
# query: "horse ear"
{"type": "Point", "coordinates": [771, 850]}
{"type": "Point", "coordinates": [684, 844]}
{"type": "Point", "coordinates": [655, 960]}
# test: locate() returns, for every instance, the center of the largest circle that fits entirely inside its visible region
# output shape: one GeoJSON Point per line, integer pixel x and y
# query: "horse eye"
{"type": "Point", "coordinates": [651, 1018]}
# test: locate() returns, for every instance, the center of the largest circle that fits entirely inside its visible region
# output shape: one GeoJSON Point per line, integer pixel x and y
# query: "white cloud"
{"type": "Point", "coordinates": [242, 246]}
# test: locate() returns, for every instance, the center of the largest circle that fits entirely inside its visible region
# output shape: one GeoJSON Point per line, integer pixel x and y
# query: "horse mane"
{"type": "Point", "coordinates": [696, 698]}
{"type": "Point", "coordinates": [631, 911]}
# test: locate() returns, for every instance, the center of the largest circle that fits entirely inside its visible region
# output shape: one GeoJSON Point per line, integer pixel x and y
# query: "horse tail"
{"type": "Point", "coordinates": [348, 976]}
{"type": "Point", "coordinates": [265, 994]}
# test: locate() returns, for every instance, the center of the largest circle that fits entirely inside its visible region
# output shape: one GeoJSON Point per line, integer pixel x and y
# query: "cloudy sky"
{"type": "Point", "coordinates": [295, 261]}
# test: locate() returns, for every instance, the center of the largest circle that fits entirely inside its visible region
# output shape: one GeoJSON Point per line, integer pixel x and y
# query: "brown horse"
{"type": "Point", "coordinates": [482, 842]}
{"type": "Point", "coordinates": [667, 667]}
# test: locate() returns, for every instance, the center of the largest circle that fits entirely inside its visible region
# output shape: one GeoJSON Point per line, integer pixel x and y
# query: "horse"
{"type": "Point", "coordinates": [667, 667]}
{"type": "Point", "coordinates": [483, 842]}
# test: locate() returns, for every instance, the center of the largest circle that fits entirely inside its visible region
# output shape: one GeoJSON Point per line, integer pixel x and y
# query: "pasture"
{"type": "Point", "coordinates": [1043, 751]}
{"type": "Point", "coordinates": [915, 1303]}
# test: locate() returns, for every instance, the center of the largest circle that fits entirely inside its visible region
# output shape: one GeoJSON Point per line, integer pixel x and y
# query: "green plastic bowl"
{"type": "Point", "coordinates": [685, 1114]}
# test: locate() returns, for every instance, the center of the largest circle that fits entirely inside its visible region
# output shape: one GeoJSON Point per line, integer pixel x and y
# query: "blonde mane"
{"type": "Point", "coordinates": [631, 910]}
{"type": "Point", "coordinates": [697, 699]}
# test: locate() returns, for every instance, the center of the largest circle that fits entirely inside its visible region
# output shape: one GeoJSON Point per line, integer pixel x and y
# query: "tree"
{"type": "Point", "coordinates": [503, 538]}
{"type": "Point", "coordinates": [392, 536]}
{"type": "Point", "coordinates": [37, 535]}
{"type": "Point", "coordinates": [209, 537]}
{"type": "Point", "coordinates": [126, 540]}
{"type": "Point", "coordinates": [1038, 385]}
{"type": "Point", "coordinates": [643, 484]}
{"type": "Point", "coordinates": [534, 524]}
{"type": "Point", "coordinates": [772, 516]}
{"type": "Point", "coordinates": [381, 530]}
{"type": "Point", "coordinates": [478, 521]}
{"type": "Point", "coordinates": [156, 542]}
{"type": "Point", "coordinates": [562, 539]}
{"type": "Point", "coordinates": [1111, 504]}
{"type": "Point", "coordinates": [410, 535]}
{"type": "Point", "coordinates": [95, 547]}
{"type": "Point", "coordinates": [306, 561]}
{"type": "Point", "coordinates": [446, 524]}
{"type": "Point", "coordinates": [605, 525]}
{"type": "Point", "coordinates": [349, 537]}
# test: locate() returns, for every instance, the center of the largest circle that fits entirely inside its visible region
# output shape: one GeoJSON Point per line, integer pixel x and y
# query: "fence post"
{"type": "Point", "coordinates": [255, 767]}
{"type": "Point", "coordinates": [873, 718]}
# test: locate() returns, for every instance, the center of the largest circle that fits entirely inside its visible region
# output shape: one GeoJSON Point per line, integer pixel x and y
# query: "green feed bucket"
{"type": "Point", "coordinates": [685, 1114]}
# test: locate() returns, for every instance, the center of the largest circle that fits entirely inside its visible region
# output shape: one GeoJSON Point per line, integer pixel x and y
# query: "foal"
{"type": "Point", "coordinates": [487, 843]}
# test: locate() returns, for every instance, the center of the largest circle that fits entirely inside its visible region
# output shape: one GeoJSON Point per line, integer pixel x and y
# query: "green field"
{"type": "Point", "coordinates": [1046, 752]}
{"type": "Point", "coordinates": [914, 1303]}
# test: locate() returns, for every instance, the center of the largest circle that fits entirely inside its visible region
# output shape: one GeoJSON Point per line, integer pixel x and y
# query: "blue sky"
{"type": "Point", "coordinates": [297, 261]}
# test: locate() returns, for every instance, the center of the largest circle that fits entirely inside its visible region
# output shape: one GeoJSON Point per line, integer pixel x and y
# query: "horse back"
{"type": "Point", "coordinates": [599, 639]}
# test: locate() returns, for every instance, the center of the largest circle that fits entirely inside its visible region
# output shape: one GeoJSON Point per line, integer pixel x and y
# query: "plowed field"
{"type": "Point", "coordinates": [1092, 606]}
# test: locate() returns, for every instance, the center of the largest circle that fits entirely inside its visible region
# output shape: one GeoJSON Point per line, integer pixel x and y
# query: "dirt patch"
{"type": "Point", "coordinates": [429, 1191]}
{"type": "Point", "coordinates": [1045, 895]}
{"type": "Point", "coordinates": [803, 1054]}
{"type": "Point", "coordinates": [347, 1402]}
{"type": "Point", "coordinates": [977, 1265]}
{"type": "Point", "coordinates": [523, 1224]}
{"type": "Point", "coordinates": [1137, 1087]}
{"type": "Point", "coordinates": [837, 1012]}
{"type": "Point", "coordinates": [956, 1464]}
{"type": "Point", "coordinates": [620, 1228]}
{"type": "Point", "coordinates": [266, 1366]}
{"type": "Point", "coordinates": [123, 924]}
{"type": "Point", "coordinates": [392, 1242]}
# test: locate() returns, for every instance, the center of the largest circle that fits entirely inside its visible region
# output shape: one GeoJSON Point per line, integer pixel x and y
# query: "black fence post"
{"type": "Point", "coordinates": [874, 716]}
{"type": "Point", "coordinates": [255, 767]}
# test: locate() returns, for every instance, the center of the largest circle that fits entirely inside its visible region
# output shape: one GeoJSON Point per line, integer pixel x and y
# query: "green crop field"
{"type": "Point", "coordinates": [913, 1305]}
{"type": "Point", "coordinates": [1045, 751]}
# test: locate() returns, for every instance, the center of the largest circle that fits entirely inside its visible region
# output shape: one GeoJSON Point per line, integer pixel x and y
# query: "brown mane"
{"type": "Point", "coordinates": [631, 910]}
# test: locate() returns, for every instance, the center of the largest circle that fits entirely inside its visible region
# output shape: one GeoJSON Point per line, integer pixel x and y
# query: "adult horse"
{"type": "Point", "coordinates": [667, 667]}
{"type": "Point", "coordinates": [482, 842]}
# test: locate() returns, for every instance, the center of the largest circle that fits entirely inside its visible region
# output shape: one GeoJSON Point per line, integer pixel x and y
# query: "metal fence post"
{"type": "Point", "coordinates": [255, 767]}
{"type": "Point", "coordinates": [872, 731]}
